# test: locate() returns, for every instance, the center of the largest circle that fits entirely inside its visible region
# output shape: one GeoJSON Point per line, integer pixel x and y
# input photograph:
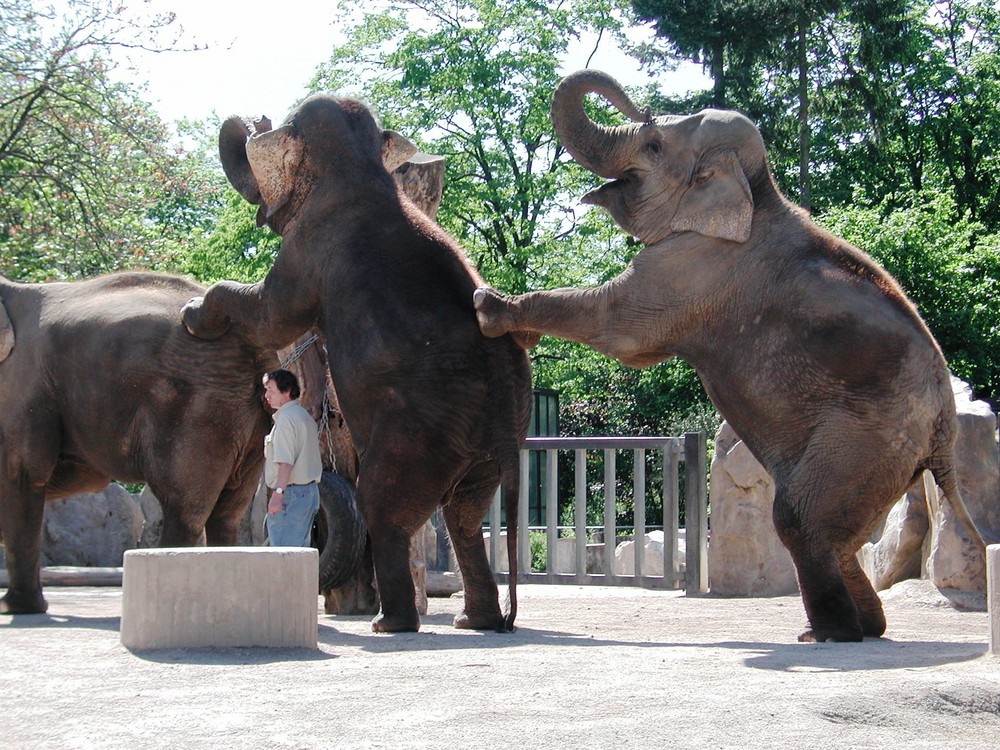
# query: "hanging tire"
{"type": "Point", "coordinates": [339, 532]}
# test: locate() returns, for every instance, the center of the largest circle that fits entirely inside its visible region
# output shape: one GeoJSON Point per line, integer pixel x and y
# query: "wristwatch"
{"type": "Point", "coordinates": [280, 490]}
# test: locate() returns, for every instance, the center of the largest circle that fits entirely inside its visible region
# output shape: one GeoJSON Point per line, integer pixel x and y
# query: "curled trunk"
{"type": "Point", "coordinates": [599, 148]}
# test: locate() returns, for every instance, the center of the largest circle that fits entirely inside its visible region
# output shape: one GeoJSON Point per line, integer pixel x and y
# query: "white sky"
{"type": "Point", "coordinates": [260, 58]}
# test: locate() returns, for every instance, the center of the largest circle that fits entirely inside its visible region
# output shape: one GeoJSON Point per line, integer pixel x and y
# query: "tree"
{"type": "Point", "coordinates": [949, 267]}
{"type": "Point", "coordinates": [83, 160]}
{"type": "Point", "coordinates": [473, 81]}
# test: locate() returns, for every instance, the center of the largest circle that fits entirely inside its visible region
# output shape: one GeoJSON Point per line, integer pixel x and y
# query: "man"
{"type": "Point", "coordinates": [292, 464]}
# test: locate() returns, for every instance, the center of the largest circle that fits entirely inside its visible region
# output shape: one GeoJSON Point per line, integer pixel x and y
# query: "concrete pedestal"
{"type": "Point", "coordinates": [993, 595]}
{"type": "Point", "coordinates": [220, 596]}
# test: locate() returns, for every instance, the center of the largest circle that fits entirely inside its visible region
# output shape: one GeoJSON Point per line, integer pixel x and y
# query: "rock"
{"type": "Point", "coordinates": [93, 529]}
{"type": "Point", "coordinates": [896, 551]}
{"type": "Point", "coordinates": [652, 561]}
{"type": "Point", "coordinates": [152, 514]}
{"type": "Point", "coordinates": [955, 562]}
{"type": "Point", "coordinates": [745, 555]}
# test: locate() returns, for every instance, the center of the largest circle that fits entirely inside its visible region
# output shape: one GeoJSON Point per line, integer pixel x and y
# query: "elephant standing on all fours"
{"type": "Point", "coordinates": [100, 381]}
{"type": "Point", "coordinates": [805, 345]}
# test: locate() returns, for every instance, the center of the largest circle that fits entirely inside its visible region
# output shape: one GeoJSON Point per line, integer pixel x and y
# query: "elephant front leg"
{"type": "Point", "coordinates": [21, 521]}
{"type": "Point", "coordinates": [605, 318]}
{"type": "Point", "coordinates": [391, 555]}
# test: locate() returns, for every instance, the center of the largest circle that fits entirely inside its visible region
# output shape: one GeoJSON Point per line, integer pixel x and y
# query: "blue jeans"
{"type": "Point", "coordinates": [292, 525]}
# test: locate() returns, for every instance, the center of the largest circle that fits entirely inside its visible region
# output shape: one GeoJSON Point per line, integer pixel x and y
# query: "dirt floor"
{"type": "Point", "coordinates": [587, 667]}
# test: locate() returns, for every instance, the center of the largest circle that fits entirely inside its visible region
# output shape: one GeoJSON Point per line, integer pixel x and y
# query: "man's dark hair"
{"type": "Point", "coordinates": [285, 381]}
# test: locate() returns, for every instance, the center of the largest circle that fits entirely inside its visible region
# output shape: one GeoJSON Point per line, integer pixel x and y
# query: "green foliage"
{"type": "Point", "coordinates": [84, 167]}
{"type": "Point", "coordinates": [949, 266]}
{"type": "Point", "coordinates": [472, 81]}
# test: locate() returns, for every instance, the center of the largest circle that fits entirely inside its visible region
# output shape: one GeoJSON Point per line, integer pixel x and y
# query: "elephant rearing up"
{"type": "Point", "coordinates": [808, 348]}
{"type": "Point", "coordinates": [437, 411]}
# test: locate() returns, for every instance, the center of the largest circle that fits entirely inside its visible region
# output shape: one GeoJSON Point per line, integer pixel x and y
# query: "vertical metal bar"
{"type": "Point", "coordinates": [551, 511]}
{"type": "Point", "coordinates": [671, 510]}
{"type": "Point", "coordinates": [610, 530]}
{"type": "Point", "coordinates": [639, 509]}
{"type": "Point", "coordinates": [495, 532]}
{"type": "Point", "coordinates": [696, 512]}
{"type": "Point", "coordinates": [580, 513]}
{"type": "Point", "coordinates": [520, 524]}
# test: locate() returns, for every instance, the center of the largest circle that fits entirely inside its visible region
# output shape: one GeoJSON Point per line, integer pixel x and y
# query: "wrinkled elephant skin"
{"type": "Point", "coordinates": [806, 346]}
{"type": "Point", "coordinates": [104, 383]}
{"type": "Point", "coordinates": [437, 411]}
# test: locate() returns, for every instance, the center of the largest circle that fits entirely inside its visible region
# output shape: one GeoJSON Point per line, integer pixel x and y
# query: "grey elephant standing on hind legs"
{"type": "Point", "coordinates": [437, 411]}
{"type": "Point", "coordinates": [808, 348]}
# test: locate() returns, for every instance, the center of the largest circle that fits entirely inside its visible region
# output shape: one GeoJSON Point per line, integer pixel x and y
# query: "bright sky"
{"type": "Point", "coordinates": [259, 59]}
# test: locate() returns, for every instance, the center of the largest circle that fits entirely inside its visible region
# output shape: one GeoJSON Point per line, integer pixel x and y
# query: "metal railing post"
{"type": "Point", "coordinates": [696, 512]}
{"type": "Point", "coordinates": [639, 509]}
{"type": "Point", "coordinates": [610, 515]}
{"type": "Point", "coordinates": [580, 513]}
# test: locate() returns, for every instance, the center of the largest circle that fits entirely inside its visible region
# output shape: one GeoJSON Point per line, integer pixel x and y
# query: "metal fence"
{"type": "Point", "coordinates": [691, 573]}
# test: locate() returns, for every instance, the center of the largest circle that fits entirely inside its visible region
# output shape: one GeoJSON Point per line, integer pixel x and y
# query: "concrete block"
{"type": "Point", "coordinates": [196, 597]}
{"type": "Point", "coordinates": [993, 595]}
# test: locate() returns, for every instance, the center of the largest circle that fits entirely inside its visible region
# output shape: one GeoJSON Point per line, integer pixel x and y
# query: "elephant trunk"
{"type": "Point", "coordinates": [233, 137]}
{"type": "Point", "coordinates": [600, 148]}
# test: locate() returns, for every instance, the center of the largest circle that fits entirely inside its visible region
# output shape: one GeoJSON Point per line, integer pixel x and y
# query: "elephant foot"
{"type": "Point", "coordinates": [193, 315]}
{"type": "Point", "coordinates": [492, 313]}
{"type": "Point", "coordinates": [387, 624]}
{"type": "Point", "coordinates": [873, 624]}
{"type": "Point", "coordinates": [832, 635]}
{"type": "Point", "coordinates": [31, 604]}
{"type": "Point", "coordinates": [481, 621]}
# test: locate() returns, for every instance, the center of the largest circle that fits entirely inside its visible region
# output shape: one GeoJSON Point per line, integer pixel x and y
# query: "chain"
{"type": "Point", "coordinates": [326, 408]}
{"type": "Point", "coordinates": [299, 350]}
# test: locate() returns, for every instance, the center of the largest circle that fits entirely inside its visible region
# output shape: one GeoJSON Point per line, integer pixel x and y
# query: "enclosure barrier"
{"type": "Point", "coordinates": [690, 450]}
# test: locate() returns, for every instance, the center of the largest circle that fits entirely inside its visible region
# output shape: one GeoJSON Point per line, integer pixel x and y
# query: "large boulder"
{"type": "Point", "coordinates": [896, 551]}
{"type": "Point", "coordinates": [956, 563]}
{"type": "Point", "coordinates": [745, 555]}
{"type": "Point", "coordinates": [93, 529]}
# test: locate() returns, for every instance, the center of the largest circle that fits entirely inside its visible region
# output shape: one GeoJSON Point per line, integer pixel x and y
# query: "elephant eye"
{"type": "Point", "coordinates": [653, 147]}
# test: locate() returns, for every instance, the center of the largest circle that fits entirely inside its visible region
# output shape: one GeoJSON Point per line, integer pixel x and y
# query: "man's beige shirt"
{"type": "Point", "coordinates": [294, 440]}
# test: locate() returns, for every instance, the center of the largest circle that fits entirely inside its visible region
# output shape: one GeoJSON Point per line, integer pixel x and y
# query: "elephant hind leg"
{"type": "Point", "coordinates": [464, 518]}
{"type": "Point", "coordinates": [830, 607]}
{"type": "Point", "coordinates": [866, 600]}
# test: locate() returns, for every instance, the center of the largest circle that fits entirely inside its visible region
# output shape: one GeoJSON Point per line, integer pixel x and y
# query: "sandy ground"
{"type": "Point", "coordinates": [587, 667]}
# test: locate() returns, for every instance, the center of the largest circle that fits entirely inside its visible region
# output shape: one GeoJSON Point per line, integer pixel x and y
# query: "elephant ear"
{"type": "Point", "coordinates": [396, 149]}
{"type": "Point", "coordinates": [274, 157]}
{"type": "Point", "coordinates": [6, 333]}
{"type": "Point", "coordinates": [718, 203]}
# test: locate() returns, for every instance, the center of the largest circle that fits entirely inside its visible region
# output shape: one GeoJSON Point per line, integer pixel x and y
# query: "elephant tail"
{"type": "Point", "coordinates": [511, 483]}
{"type": "Point", "coordinates": [942, 467]}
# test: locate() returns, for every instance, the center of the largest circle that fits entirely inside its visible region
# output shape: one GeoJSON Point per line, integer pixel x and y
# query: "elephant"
{"type": "Point", "coordinates": [437, 411]}
{"type": "Point", "coordinates": [99, 381]}
{"type": "Point", "coordinates": [807, 347]}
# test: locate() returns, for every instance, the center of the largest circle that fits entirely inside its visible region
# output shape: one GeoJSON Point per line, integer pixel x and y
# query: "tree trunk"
{"type": "Point", "coordinates": [805, 194]}
{"type": "Point", "coordinates": [718, 75]}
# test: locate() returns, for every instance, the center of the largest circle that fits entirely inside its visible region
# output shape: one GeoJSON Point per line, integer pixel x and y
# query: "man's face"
{"type": "Point", "coordinates": [275, 398]}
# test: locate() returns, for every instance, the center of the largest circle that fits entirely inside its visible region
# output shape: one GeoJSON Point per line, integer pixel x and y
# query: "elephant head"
{"type": "Point", "coordinates": [670, 174]}
{"type": "Point", "coordinates": [269, 169]}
